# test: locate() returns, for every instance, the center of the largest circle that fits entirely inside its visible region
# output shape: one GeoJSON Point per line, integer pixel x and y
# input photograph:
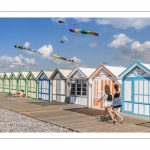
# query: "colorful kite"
{"type": "Point", "coordinates": [60, 21]}
{"type": "Point", "coordinates": [84, 32]}
{"type": "Point", "coordinates": [56, 56]}
{"type": "Point", "coordinates": [24, 48]}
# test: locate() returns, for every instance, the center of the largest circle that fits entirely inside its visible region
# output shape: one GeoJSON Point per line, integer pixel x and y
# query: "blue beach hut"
{"type": "Point", "coordinates": [44, 85]}
{"type": "Point", "coordinates": [136, 89]}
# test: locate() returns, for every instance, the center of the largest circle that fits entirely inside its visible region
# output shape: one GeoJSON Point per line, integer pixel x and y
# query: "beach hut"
{"type": "Point", "coordinates": [79, 85]}
{"type": "Point", "coordinates": [1, 82]}
{"type": "Point", "coordinates": [99, 78]}
{"type": "Point", "coordinates": [60, 85]}
{"type": "Point", "coordinates": [21, 77]}
{"type": "Point", "coordinates": [44, 85]}
{"type": "Point", "coordinates": [6, 83]}
{"type": "Point", "coordinates": [32, 85]}
{"type": "Point", "coordinates": [136, 89]}
{"type": "Point", "coordinates": [13, 82]}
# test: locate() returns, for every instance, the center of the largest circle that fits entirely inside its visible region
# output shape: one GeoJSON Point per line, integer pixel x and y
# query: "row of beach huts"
{"type": "Point", "coordinates": [84, 86]}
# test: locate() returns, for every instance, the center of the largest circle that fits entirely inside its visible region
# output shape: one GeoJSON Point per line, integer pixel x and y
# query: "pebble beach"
{"type": "Point", "coordinates": [11, 121]}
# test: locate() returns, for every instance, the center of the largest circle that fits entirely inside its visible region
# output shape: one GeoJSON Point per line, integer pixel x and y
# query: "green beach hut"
{"type": "Point", "coordinates": [32, 84]}
{"type": "Point", "coordinates": [22, 81]}
{"type": "Point", "coordinates": [13, 82]}
{"type": "Point", "coordinates": [1, 82]}
{"type": "Point", "coordinates": [6, 83]}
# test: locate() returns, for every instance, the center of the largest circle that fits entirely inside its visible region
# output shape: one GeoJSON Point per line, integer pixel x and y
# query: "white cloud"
{"type": "Point", "coordinates": [134, 51]}
{"type": "Point", "coordinates": [137, 46]}
{"type": "Point", "coordinates": [47, 51]}
{"type": "Point", "coordinates": [93, 45]}
{"type": "Point", "coordinates": [27, 44]}
{"type": "Point", "coordinates": [6, 62]}
{"type": "Point", "coordinates": [124, 23]}
{"type": "Point", "coordinates": [31, 61]}
{"type": "Point", "coordinates": [6, 59]}
{"type": "Point", "coordinates": [64, 38]}
{"type": "Point", "coordinates": [120, 40]}
{"type": "Point", "coordinates": [82, 19]}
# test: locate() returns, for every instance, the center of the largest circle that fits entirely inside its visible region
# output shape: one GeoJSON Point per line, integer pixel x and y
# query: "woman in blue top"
{"type": "Point", "coordinates": [117, 102]}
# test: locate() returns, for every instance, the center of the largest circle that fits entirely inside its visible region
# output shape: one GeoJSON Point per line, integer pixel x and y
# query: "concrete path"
{"type": "Point", "coordinates": [63, 115]}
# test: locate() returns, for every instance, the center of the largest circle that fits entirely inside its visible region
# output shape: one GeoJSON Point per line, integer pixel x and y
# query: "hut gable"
{"type": "Point", "coordinates": [43, 76]}
{"type": "Point", "coordinates": [104, 73]}
{"type": "Point", "coordinates": [31, 76]}
{"type": "Point", "coordinates": [22, 75]}
{"type": "Point", "coordinates": [12, 76]}
{"type": "Point", "coordinates": [58, 75]}
{"type": "Point", "coordinates": [107, 72]}
{"type": "Point", "coordinates": [6, 75]}
{"type": "Point", "coordinates": [136, 70]}
{"type": "Point", "coordinates": [78, 74]}
{"type": "Point", "coordinates": [81, 72]}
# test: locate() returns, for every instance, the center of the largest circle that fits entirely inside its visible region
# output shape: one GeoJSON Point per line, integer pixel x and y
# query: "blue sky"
{"type": "Point", "coordinates": [121, 42]}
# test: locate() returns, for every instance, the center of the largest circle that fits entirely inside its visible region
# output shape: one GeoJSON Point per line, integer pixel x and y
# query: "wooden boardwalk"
{"type": "Point", "coordinates": [73, 117]}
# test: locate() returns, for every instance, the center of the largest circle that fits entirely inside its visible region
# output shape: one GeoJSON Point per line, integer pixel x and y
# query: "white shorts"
{"type": "Point", "coordinates": [107, 104]}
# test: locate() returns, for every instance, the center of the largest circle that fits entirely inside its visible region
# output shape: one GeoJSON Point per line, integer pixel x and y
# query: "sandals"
{"type": "Point", "coordinates": [114, 122]}
{"type": "Point", "coordinates": [122, 120]}
{"type": "Point", "coordinates": [100, 119]}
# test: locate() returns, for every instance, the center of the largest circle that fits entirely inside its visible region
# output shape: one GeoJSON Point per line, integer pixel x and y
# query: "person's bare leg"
{"type": "Point", "coordinates": [111, 115]}
{"type": "Point", "coordinates": [117, 114]}
{"type": "Point", "coordinates": [104, 115]}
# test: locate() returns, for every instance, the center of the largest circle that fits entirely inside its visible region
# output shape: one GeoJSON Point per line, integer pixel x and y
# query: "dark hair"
{"type": "Point", "coordinates": [22, 90]}
{"type": "Point", "coordinates": [107, 89]}
{"type": "Point", "coordinates": [116, 87]}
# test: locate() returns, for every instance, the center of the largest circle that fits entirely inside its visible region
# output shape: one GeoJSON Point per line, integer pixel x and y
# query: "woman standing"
{"type": "Point", "coordinates": [107, 103]}
{"type": "Point", "coordinates": [117, 102]}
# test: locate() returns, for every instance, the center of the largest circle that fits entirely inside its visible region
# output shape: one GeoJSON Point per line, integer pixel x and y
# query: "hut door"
{"type": "Point", "coordinates": [58, 90]}
{"type": "Point", "coordinates": [128, 96]}
{"type": "Point", "coordinates": [96, 93]}
{"type": "Point", "coordinates": [44, 90]}
{"type": "Point", "coordinates": [54, 90]}
{"type": "Point", "coordinates": [141, 97]}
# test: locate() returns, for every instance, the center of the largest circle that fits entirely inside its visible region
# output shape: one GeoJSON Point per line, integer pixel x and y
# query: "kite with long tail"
{"type": "Point", "coordinates": [84, 32]}
{"type": "Point", "coordinates": [24, 48]}
{"type": "Point", "coordinates": [56, 56]}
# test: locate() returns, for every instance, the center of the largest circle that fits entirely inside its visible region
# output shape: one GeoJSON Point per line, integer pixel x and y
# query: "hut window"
{"type": "Point", "coordinates": [79, 87]}
{"type": "Point", "coordinates": [13, 84]}
{"type": "Point", "coordinates": [84, 88]}
{"type": "Point", "coordinates": [73, 87]}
